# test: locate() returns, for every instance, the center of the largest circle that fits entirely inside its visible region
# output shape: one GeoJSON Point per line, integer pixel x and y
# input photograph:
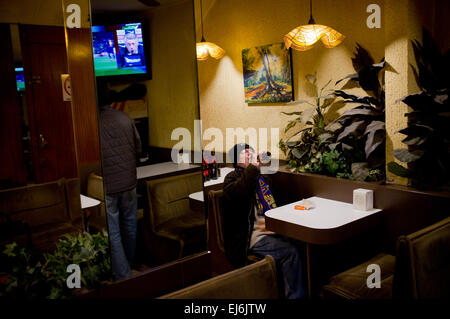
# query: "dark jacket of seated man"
{"type": "Point", "coordinates": [238, 219]}
{"type": "Point", "coordinates": [247, 195]}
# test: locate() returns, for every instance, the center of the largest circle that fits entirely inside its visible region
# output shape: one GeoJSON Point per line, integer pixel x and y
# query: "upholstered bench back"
{"type": "Point", "coordinates": [422, 269]}
{"type": "Point", "coordinates": [49, 209]}
{"type": "Point", "coordinates": [38, 204]}
{"type": "Point", "coordinates": [169, 197]}
{"type": "Point", "coordinates": [255, 281]}
{"type": "Point", "coordinates": [95, 190]}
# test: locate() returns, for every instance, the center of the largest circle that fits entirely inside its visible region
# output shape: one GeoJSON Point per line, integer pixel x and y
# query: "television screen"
{"type": "Point", "coordinates": [119, 49]}
{"type": "Point", "coordinates": [20, 80]}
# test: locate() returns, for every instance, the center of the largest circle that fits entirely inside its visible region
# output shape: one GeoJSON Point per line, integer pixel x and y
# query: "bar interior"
{"type": "Point", "coordinates": [225, 149]}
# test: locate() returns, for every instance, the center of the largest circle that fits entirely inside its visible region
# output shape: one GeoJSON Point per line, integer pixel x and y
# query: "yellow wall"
{"type": "Point", "coordinates": [39, 12]}
{"type": "Point", "coordinates": [404, 21]}
{"type": "Point", "coordinates": [235, 25]}
{"type": "Point", "coordinates": [172, 91]}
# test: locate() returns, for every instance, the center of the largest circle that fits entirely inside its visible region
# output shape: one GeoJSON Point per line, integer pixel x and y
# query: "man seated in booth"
{"type": "Point", "coordinates": [247, 196]}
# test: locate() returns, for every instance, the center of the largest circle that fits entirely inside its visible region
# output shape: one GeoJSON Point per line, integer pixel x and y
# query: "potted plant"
{"type": "Point", "coordinates": [359, 133]}
{"type": "Point", "coordinates": [33, 276]}
{"type": "Point", "coordinates": [428, 132]}
{"type": "Point", "coordinates": [308, 148]}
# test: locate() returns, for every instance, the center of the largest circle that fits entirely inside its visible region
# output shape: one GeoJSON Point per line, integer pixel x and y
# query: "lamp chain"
{"type": "Point", "coordinates": [311, 19]}
{"type": "Point", "coordinates": [201, 19]}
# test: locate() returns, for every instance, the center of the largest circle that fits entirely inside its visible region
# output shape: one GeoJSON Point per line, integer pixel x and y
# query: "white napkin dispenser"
{"type": "Point", "coordinates": [363, 199]}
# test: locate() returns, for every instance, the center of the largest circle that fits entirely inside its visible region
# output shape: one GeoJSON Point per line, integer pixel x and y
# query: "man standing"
{"type": "Point", "coordinates": [120, 144]}
{"type": "Point", "coordinates": [247, 196]}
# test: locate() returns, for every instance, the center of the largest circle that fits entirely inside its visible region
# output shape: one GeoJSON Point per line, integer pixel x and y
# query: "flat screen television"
{"type": "Point", "coordinates": [121, 50]}
{"type": "Point", "coordinates": [20, 80]}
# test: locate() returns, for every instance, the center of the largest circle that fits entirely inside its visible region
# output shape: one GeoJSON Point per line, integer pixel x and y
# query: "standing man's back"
{"type": "Point", "coordinates": [120, 144]}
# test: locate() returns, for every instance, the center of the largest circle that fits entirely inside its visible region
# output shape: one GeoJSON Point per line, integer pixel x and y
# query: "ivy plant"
{"type": "Point", "coordinates": [32, 276]}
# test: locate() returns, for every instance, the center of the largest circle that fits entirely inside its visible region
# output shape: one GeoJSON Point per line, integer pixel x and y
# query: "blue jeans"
{"type": "Point", "coordinates": [287, 254]}
{"type": "Point", "coordinates": [121, 209]}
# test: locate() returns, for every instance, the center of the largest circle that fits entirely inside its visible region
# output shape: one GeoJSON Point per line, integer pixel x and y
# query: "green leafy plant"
{"type": "Point", "coordinates": [428, 131]}
{"type": "Point", "coordinates": [31, 276]}
{"type": "Point", "coordinates": [307, 149]}
{"type": "Point", "coordinates": [359, 133]}
{"type": "Point", "coordinates": [22, 277]}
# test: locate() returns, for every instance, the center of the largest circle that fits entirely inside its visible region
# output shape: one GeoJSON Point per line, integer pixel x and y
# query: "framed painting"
{"type": "Point", "coordinates": [267, 74]}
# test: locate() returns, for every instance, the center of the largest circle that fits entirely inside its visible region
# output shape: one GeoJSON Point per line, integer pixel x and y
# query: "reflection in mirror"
{"type": "Point", "coordinates": [46, 221]}
{"type": "Point", "coordinates": [145, 67]}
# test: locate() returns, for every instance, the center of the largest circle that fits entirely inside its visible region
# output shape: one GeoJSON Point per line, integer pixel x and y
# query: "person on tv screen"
{"type": "Point", "coordinates": [133, 53]}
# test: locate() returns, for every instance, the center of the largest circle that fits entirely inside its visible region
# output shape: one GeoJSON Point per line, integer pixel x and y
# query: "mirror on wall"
{"type": "Point", "coordinates": [145, 67]}
{"type": "Point", "coordinates": [47, 219]}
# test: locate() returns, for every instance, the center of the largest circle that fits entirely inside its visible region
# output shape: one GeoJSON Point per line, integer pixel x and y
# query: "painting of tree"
{"type": "Point", "coordinates": [267, 74]}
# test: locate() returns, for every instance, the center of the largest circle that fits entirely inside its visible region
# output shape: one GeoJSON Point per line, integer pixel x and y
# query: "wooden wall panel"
{"type": "Point", "coordinates": [12, 167]}
{"type": "Point", "coordinates": [84, 105]}
{"type": "Point", "coordinates": [44, 57]}
{"type": "Point", "coordinates": [157, 281]}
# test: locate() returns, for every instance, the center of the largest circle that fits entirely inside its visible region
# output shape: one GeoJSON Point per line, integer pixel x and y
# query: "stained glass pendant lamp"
{"type": "Point", "coordinates": [207, 49]}
{"type": "Point", "coordinates": [304, 37]}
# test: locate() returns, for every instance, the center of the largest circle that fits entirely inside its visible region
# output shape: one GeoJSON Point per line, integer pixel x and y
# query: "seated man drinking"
{"type": "Point", "coordinates": [247, 196]}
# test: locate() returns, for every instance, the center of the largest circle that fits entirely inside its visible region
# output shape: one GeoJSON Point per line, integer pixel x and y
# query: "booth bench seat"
{"type": "Point", "coordinates": [420, 269]}
{"type": "Point", "coordinates": [48, 210]}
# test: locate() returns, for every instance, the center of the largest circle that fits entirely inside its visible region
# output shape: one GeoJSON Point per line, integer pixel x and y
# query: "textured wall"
{"type": "Point", "coordinates": [172, 91]}
{"type": "Point", "coordinates": [40, 12]}
{"type": "Point", "coordinates": [404, 21]}
{"type": "Point", "coordinates": [235, 25]}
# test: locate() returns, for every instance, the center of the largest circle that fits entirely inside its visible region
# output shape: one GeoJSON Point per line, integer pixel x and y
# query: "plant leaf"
{"type": "Point", "coordinates": [291, 113]}
{"type": "Point", "coordinates": [328, 101]}
{"type": "Point", "coordinates": [350, 98]}
{"type": "Point", "coordinates": [414, 140]}
{"type": "Point", "coordinates": [333, 126]}
{"type": "Point", "coordinates": [298, 102]}
{"type": "Point", "coordinates": [351, 84]}
{"type": "Point", "coordinates": [360, 171]}
{"type": "Point", "coordinates": [418, 101]}
{"type": "Point", "coordinates": [417, 130]}
{"type": "Point", "coordinates": [407, 156]}
{"type": "Point", "coordinates": [346, 147]}
{"type": "Point", "coordinates": [307, 114]}
{"type": "Point", "coordinates": [324, 137]}
{"type": "Point", "coordinates": [290, 125]}
{"type": "Point", "coordinates": [364, 112]}
{"type": "Point", "coordinates": [353, 77]}
{"type": "Point", "coordinates": [290, 144]}
{"type": "Point", "coordinates": [398, 170]}
{"type": "Point", "coordinates": [323, 87]}
{"type": "Point", "coordinates": [299, 154]}
{"type": "Point", "coordinates": [374, 126]}
{"type": "Point", "coordinates": [351, 129]}
{"type": "Point", "coordinates": [374, 139]}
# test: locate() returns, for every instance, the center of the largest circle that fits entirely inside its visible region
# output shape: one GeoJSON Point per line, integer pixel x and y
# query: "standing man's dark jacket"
{"type": "Point", "coordinates": [120, 143]}
{"type": "Point", "coordinates": [239, 200]}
